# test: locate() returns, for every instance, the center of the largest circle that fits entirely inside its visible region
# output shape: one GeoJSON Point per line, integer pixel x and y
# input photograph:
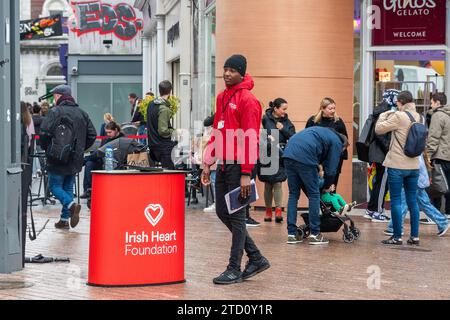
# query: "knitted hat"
{"type": "Point", "coordinates": [238, 63]}
{"type": "Point", "coordinates": [390, 97]}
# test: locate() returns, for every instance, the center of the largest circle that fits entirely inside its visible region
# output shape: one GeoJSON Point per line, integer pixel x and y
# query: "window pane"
{"type": "Point", "coordinates": [121, 106]}
{"type": "Point", "coordinates": [95, 99]}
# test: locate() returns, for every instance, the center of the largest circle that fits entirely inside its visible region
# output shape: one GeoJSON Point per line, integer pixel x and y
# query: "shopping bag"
{"type": "Point", "coordinates": [139, 159]}
{"type": "Point", "coordinates": [439, 183]}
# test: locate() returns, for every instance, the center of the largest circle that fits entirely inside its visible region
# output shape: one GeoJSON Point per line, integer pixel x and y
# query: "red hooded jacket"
{"type": "Point", "coordinates": [236, 127]}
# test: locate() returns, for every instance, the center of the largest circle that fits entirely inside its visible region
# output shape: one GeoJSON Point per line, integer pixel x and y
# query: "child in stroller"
{"type": "Point", "coordinates": [333, 217]}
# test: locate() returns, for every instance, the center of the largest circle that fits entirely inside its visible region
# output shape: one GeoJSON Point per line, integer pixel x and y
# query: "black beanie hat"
{"type": "Point", "coordinates": [237, 62]}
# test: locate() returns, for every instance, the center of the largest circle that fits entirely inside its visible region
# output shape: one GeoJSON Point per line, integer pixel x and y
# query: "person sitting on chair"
{"type": "Point", "coordinates": [94, 161]}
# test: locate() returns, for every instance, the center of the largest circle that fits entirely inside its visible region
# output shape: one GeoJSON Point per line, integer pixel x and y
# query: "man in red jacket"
{"type": "Point", "coordinates": [235, 145]}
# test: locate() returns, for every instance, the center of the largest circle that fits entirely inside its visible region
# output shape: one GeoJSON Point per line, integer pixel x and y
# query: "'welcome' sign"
{"type": "Point", "coordinates": [409, 22]}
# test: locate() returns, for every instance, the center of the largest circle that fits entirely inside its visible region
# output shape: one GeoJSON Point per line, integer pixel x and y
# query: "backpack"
{"type": "Point", "coordinates": [416, 138]}
{"type": "Point", "coordinates": [62, 145]}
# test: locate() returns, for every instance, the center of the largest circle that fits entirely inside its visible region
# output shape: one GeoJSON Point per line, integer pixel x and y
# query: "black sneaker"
{"type": "Point", "coordinates": [413, 241]}
{"type": "Point", "coordinates": [229, 276]}
{"type": "Point", "coordinates": [252, 268]}
{"type": "Point", "coordinates": [392, 240]}
{"type": "Point", "coordinates": [62, 225]}
{"type": "Point", "coordinates": [194, 201]}
{"type": "Point", "coordinates": [74, 214]}
{"type": "Point", "coordinates": [250, 222]}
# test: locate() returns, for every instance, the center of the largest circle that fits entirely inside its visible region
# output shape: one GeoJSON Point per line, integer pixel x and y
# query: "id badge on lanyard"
{"type": "Point", "coordinates": [221, 124]}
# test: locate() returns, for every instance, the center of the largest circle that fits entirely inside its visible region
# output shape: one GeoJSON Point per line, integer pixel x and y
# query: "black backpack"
{"type": "Point", "coordinates": [62, 145]}
{"type": "Point", "coordinates": [416, 139]}
{"type": "Point", "coordinates": [365, 138]}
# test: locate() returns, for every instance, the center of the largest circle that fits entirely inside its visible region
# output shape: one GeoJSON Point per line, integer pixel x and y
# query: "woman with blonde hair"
{"type": "Point", "coordinates": [327, 117]}
{"type": "Point", "coordinates": [107, 118]}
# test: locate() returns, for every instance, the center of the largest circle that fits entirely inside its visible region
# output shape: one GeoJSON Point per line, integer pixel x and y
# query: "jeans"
{"type": "Point", "coordinates": [304, 177]}
{"type": "Point", "coordinates": [228, 177]}
{"type": "Point", "coordinates": [62, 188]}
{"type": "Point", "coordinates": [407, 179]}
{"type": "Point", "coordinates": [426, 207]}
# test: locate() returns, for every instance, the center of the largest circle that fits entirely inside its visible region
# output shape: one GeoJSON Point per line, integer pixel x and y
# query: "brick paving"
{"type": "Point", "coordinates": [298, 272]}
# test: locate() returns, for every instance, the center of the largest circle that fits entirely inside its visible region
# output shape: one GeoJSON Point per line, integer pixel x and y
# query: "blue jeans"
{"type": "Point", "coordinates": [426, 207]}
{"type": "Point", "coordinates": [62, 189]}
{"type": "Point", "coordinates": [404, 179]}
{"type": "Point", "coordinates": [304, 177]}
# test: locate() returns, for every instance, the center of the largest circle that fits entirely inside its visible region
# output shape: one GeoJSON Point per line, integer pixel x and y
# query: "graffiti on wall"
{"type": "Point", "coordinates": [120, 19]}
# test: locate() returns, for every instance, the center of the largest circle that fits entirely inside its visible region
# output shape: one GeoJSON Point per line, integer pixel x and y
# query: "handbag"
{"type": "Point", "coordinates": [139, 159]}
{"type": "Point", "coordinates": [365, 138]}
{"type": "Point", "coordinates": [439, 183]}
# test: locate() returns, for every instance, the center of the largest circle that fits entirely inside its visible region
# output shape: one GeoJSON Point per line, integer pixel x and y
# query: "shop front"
{"type": "Point", "coordinates": [404, 45]}
{"type": "Point", "coordinates": [104, 60]}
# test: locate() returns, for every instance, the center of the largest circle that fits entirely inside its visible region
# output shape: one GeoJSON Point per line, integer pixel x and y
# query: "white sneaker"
{"type": "Point", "coordinates": [426, 221]}
{"type": "Point", "coordinates": [210, 209]}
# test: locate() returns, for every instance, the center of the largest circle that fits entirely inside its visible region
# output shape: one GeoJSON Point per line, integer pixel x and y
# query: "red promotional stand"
{"type": "Point", "coordinates": [137, 228]}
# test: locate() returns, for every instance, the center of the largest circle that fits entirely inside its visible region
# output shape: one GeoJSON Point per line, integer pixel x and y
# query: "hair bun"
{"type": "Point", "coordinates": [271, 104]}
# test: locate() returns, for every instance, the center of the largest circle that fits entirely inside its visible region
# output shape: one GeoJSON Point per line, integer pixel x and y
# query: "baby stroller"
{"type": "Point", "coordinates": [331, 221]}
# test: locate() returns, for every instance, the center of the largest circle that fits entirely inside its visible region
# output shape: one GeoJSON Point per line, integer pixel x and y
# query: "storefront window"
{"type": "Point", "coordinates": [95, 99]}
{"type": "Point", "coordinates": [121, 108]}
{"type": "Point", "coordinates": [421, 72]}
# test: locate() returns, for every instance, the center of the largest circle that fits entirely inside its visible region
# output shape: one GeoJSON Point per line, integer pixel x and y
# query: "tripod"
{"type": "Point", "coordinates": [43, 182]}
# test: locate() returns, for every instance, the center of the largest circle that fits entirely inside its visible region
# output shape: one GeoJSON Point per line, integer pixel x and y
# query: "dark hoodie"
{"type": "Point", "coordinates": [236, 108]}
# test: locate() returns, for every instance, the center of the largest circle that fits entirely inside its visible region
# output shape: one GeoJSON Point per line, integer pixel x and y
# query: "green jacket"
{"type": "Point", "coordinates": [165, 115]}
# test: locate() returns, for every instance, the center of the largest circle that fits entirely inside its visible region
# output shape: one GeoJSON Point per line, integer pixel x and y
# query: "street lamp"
{"type": "Point", "coordinates": [36, 83]}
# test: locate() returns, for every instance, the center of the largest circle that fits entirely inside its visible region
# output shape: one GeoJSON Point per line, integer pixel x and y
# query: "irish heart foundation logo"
{"type": "Point", "coordinates": [154, 213]}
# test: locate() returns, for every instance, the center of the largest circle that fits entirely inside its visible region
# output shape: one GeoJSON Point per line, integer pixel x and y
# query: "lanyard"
{"type": "Point", "coordinates": [224, 106]}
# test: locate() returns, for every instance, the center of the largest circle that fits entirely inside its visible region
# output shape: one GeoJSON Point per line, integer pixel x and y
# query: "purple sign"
{"type": "Point", "coordinates": [419, 55]}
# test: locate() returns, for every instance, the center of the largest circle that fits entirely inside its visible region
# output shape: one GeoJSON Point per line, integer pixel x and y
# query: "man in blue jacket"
{"type": "Point", "coordinates": [302, 156]}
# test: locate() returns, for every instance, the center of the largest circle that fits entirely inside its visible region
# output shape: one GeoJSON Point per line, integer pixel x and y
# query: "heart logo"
{"type": "Point", "coordinates": [154, 213]}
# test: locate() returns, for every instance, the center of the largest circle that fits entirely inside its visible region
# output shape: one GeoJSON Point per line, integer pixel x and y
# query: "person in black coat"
{"type": "Point", "coordinates": [278, 130]}
{"type": "Point", "coordinates": [62, 175]}
{"type": "Point", "coordinates": [327, 117]}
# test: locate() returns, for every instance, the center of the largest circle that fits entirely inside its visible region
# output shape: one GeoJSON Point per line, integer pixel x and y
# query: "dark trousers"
{"type": "Point", "coordinates": [379, 189]}
{"type": "Point", "coordinates": [163, 155]}
{"type": "Point", "coordinates": [228, 177]}
{"type": "Point", "coordinates": [90, 165]}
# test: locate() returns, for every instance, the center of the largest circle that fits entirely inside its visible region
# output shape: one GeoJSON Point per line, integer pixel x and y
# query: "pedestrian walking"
{"type": "Point", "coordinates": [236, 123]}
{"type": "Point", "coordinates": [438, 144]}
{"type": "Point", "coordinates": [403, 171]}
{"type": "Point", "coordinates": [378, 148]}
{"type": "Point", "coordinates": [66, 133]}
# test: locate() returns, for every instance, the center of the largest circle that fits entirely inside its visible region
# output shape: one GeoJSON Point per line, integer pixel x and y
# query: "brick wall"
{"type": "Point", "coordinates": [36, 8]}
